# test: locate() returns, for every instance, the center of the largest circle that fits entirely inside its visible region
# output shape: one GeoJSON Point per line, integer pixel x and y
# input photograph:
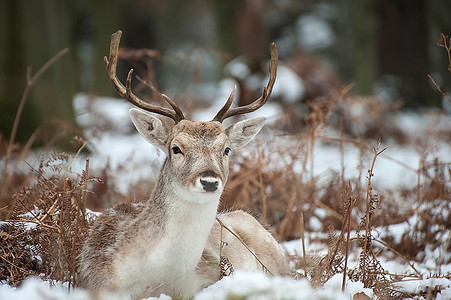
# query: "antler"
{"type": "Point", "coordinates": [126, 91]}
{"type": "Point", "coordinates": [225, 112]}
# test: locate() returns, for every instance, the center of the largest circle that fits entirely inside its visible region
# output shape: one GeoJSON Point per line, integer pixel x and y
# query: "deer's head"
{"type": "Point", "coordinates": [197, 152]}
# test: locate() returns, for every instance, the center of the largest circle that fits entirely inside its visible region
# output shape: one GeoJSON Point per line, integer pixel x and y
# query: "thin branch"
{"type": "Point", "coordinates": [30, 81]}
{"type": "Point", "coordinates": [246, 246]}
{"type": "Point", "coordinates": [369, 189]}
{"type": "Point", "coordinates": [348, 222]}
{"type": "Point", "coordinates": [438, 88]}
{"type": "Point", "coordinates": [32, 221]}
{"type": "Point", "coordinates": [302, 231]}
{"type": "Point", "coordinates": [400, 255]}
{"type": "Point", "coordinates": [262, 187]}
{"type": "Point", "coordinates": [443, 43]}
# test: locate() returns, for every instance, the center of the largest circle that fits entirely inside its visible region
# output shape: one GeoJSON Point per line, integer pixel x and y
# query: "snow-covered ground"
{"type": "Point", "coordinates": [395, 168]}
{"type": "Point", "coordinates": [241, 285]}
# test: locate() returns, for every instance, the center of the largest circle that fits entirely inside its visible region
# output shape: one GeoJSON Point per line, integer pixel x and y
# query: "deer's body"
{"type": "Point", "coordinates": [246, 231]}
{"type": "Point", "coordinates": [172, 243]}
{"type": "Point", "coordinates": [146, 261]}
{"type": "Point", "coordinates": [174, 268]}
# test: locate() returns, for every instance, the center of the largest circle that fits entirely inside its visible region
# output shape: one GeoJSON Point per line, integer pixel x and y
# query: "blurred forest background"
{"type": "Point", "coordinates": [386, 47]}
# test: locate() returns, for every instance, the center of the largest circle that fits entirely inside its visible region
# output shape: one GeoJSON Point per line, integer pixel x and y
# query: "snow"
{"type": "Point", "coordinates": [314, 33]}
{"type": "Point", "coordinates": [252, 286]}
{"type": "Point", "coordinates": [35, 288]}
{"type": "Point", "coordinates": [120, 146]}
{"type": "Point", "coordinates": [289, 86]}
{"type": "Point", "coordinates": [416, 286]}
{"type": "Point", "coordinates": [248, 285]}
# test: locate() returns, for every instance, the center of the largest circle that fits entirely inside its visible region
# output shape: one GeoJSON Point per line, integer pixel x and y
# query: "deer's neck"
{"type": "Point", "coordinates": [171, 233]}
{"type": "Point", "coordinates": [188, 217]}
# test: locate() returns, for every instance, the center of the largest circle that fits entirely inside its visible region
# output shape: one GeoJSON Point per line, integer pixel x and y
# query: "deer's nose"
{"type": "Point", "coordinates": [209, 184]}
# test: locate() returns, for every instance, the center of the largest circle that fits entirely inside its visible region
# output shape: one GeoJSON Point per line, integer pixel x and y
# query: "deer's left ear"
{"type": "Point", "coordinates": [241, 133]}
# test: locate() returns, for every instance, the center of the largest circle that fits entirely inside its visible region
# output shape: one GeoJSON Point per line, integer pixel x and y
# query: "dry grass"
{"type": "Point", "coordinates": [291, 199]}
{"type": "Point", "coordinates": [45, 224]}
{"type": "Point", "coordinates": [44, 210]}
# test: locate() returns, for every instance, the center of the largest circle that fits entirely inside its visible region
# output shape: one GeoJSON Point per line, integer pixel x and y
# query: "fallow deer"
{"type": "Point", "coordinates": [175, 242]}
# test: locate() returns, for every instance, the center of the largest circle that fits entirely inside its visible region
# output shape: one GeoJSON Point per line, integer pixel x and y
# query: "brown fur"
{"type": "Point", "coordinates": [170, 243]}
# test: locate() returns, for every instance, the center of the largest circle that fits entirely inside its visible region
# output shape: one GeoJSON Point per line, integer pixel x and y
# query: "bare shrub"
{"type": "Point", "coordinates": [47, 224]}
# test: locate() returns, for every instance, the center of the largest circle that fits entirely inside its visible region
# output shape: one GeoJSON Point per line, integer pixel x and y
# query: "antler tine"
{"type": "Point", "coordinates": [226, 106]}
{"type": "Point", "coordinates": [225, 112]}
{"type": "Point", "coordinates": [177, 109]}
{"type": "Point", "coordinates": [126, 91]}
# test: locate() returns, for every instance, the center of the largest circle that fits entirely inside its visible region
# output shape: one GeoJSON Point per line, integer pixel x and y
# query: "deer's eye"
{"type": "Point", "coordinates": [227, 151]}
{"type": "Point", "coordinates": [176, 150]}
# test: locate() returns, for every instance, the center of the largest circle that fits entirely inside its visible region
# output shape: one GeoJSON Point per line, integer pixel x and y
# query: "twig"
{"type": "Point", "coordinates": [148, 291]}
{"type": "Point", "coordinates": [400, 255]}
{"type": "Point", "coordinates": [262, 187]}
{"type": "Point", "coordinates": [342, 232]}
{"type": "Point", "coordinates": [335, 214]}
{"type": "Point", "coordinates": [368, 197]}
{"type": "Point", "coordinates": [66, 170]}
{"type": "Point", "coordinates": [246, 246]}
{"type": "Point", "coordinates": [304, 260]}
{"type": "Point", "coordinates": [30, 81]}
{"type": "Point", "coordinates": [85, 194]}
{"type": "Point", "coordinates": [348, 221]}
{"type": "Point", "coordinates": [342, 159]}
{"type": "Point", "coordinates": [61, 225]}
{"type": "Point", "coordinates": [442, 43]}
{"type": "Point", "coordinates": [49, 210]}
{"type": "Point", "coordinates": [221, 245]}
{"type": "Point", "coordinates": [361, 144]}
{"type": "Point", "coordinates": [438, 88]}
{"type": "Point", "coordinates": [419, 171]}
{"type": "Point", "coordinates": [150, 85]}
{"type": "Point", "coordinates": [12, 264]}
{"type": "Point", "coordinates": [32, 221]}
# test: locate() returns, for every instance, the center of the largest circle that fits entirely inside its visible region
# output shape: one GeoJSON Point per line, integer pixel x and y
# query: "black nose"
{"type": "Point", "coordinates": [209, 186]}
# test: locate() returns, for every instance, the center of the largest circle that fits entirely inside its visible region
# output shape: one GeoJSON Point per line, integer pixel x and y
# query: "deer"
{"type": "Point", "coordinates": [175, 242]}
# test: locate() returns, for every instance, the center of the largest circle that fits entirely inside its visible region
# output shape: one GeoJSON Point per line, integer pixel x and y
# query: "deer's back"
{"type": "Point", "coordinates": [225, 251]}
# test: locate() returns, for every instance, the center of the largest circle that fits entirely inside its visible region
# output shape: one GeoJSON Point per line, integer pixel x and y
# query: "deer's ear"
{"type": "Point", "coordinates": [241, 133]}
{"type": "Point", "coordinates": [150, 127]}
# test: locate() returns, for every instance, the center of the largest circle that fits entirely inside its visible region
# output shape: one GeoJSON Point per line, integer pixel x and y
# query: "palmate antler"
{"type": "Point", "coordinates": [176, 114]}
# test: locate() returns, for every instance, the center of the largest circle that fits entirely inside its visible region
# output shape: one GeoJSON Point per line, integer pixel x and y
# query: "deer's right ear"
{"type": "Point", "coordinates": [241, 133]}
{"type": "Point", "coordinates": [150, 127]}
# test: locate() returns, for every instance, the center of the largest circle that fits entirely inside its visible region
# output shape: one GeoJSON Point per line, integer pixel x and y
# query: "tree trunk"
{"type": "Point", "coordinates": [404, 49]}
{"type": "Point", "coordinates": [364, 44]}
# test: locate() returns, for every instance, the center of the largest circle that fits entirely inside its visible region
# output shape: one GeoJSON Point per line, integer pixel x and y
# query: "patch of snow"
{"type": "Point", "coordinates": [224, 88]}
{"type": "Point", "coordinates": [415, 286]}
{"type": "Point", "coordinates": [35, 288]}
{"type": "Point", "coordinates": [314, 33]}
{"type": "Point", "coordinates": [94, 111]}
{"type": "Point", "coordinates": [351, 288]}
{"type": "Point", "coordinates": [260, 286]}
{"type": "Point", "coordinates": [315, 224]}
{"type": "Point", "coordinates": [288, 86]}
{"type": "Point", "coordinates": [237, 68]}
